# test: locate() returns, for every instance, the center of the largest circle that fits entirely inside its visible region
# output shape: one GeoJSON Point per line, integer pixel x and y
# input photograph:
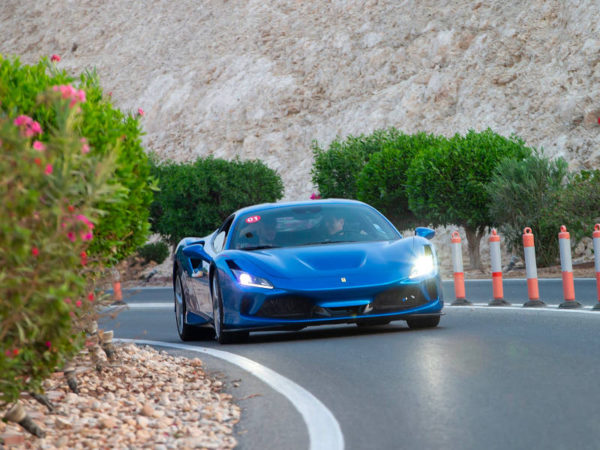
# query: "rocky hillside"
{"type": "Point", "coordinates": [262, 79]}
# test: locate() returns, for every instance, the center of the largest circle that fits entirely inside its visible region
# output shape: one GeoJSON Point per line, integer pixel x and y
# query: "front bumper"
{"type": "Point", "coordinates": [258, 309]}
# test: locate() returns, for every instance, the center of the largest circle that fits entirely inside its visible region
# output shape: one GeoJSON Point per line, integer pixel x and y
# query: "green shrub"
{"type": "Point", "coordinates": [382, 182]}
{"type": "Point", "coordinates": [50, 190]}
{"type": "Point", "coordinates": [154, 251]}
{"type": "Point", "coordinates": [540, 193]}
{"type": "Point", "coordinates": [446, 182]}
{"type": "Point", "coordinates": [336, 169]}
{"type": "Point", "coordinates": [124, 226]}
{"type": "Point", "coordinates": [194, 199]}
{"type": "Point", "coordinates": [579, 204]}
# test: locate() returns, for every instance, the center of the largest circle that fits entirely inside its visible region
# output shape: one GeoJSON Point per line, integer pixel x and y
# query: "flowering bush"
{"type": "Point", "coordinates": [124, 226]}
{"type": "Point", "coordinates": [50, 188]}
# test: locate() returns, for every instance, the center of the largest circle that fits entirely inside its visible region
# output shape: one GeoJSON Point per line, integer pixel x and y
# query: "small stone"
{"type": "Point", "coordinates": [164, 400]}
{"type": "Point", "coordinates": [107, 422]}
{"type": "Point", "coordinates": [13, 438]}
{"type": "Point", "coordinates": [54, 395]}
{"type": "Point", "coordinates": [147, 410]}
{"type": "Point", "coordinates": [142, 435]}
{"type": "Point", "coordinates": [62, 423]}
{"type": "Point", "coordinates": [142, 421]}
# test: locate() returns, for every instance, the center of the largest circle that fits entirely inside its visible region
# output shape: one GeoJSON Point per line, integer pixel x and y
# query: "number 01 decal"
{"type": "Point", "coordinates": [252, 219]}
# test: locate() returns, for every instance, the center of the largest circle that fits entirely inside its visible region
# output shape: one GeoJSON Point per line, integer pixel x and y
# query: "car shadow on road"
{"type": "Point", "coordinates": [328, 332]}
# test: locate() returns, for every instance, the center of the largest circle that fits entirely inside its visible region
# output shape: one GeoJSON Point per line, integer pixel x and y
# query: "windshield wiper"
{"type": "Point", "coordinates": [259, 247]}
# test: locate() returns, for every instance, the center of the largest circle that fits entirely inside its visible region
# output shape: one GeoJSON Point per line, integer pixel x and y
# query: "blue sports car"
{"type": "Point", "coordinates": [285, 266]}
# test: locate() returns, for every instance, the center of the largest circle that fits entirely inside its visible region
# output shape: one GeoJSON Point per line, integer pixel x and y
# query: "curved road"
{"type": "Point", "coordinates": [493, 378]}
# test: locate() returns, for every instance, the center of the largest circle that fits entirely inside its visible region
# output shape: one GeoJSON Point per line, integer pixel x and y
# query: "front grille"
{"type": "Point", "coordinates": [399, 298]}
{"type": "Point", "coordinates": [288, 306]}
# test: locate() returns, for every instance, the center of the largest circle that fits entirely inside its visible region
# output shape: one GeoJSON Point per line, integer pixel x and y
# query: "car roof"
{"type": "Point", "coordinates": [267, 206]}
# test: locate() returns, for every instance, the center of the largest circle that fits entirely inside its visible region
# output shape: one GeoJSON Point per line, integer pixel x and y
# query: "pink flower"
{"type": "Point", "coordinates": [68, 92]}
{"type": "Point", "coordinates": [85, 148]}
{"type": "Point", "coordinates": [36, 128]}
{"type": "Point", "coordinates": [48, 344]}
{"type": "Point", "coordinates": [23, 120]}
{"type": "Point", "coordinates": [91, 296]}
{"type": "Point", "coordinates": [71, 208]}
{"type": "Point", "coordinates": [35, 251]}
{"type": "Point", "coordinates": [67, 300]}
{"type": "Point", "coordinates": [71, 236]}
{"type": "Point", "coordinates": [85, 220]}
{"type": "Point", "coordinates": [141, 111]}
{"type": "Point", "coordinates": [48, 169]}
{"type": "Point", "coordinates": [28, 126]}
{"type": "Point", "coordinates": [55, 58]}
{"type": "Point", "coordinates": [39, 146]}
{"type": "Point", "coordinates": [87, 236]}
{"type": "Point", "coordinates": [15, 351]}
{"type": "Point", "coordinates": [315, 196]}
{"type": "Point", "coordinates": [78, 303]}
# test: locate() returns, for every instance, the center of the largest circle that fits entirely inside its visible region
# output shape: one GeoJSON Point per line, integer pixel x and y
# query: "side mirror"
{"type": "Point", "coordinates": [425, 232]}
{"type": "Point", "coordinates": [196, 251]}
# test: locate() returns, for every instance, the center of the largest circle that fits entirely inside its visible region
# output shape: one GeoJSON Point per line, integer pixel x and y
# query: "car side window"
{"type": "Point", "coordinates": [221, 236]}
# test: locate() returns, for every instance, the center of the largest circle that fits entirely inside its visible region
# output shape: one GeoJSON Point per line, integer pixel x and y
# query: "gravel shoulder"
{"type": "Point", "coordinates": [145, 398]}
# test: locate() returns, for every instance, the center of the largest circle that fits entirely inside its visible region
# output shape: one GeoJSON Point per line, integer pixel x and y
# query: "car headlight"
{"type": "Point", "coordinates": [424, 265]}
{"type": "Point", "coordinates": [246, 279]}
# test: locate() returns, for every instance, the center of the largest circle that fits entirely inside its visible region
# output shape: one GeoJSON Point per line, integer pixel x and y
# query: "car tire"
{"type": "Point", "coordinates": [425, 322]}
{"type": "Point", "coordinates": [186, 332]}
{"type": "Point", "coordinates": [222, 336]}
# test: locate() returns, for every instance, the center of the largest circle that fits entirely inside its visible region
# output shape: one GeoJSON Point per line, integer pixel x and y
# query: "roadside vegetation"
{"type": "Point", "coordinates": [76, 192]}
{"type": "Point", "coordinates": [476, 181]}
{"type": "Point", "coordinates": [79, 196]}
{"type": "Point", "coordinates": [194, 199]}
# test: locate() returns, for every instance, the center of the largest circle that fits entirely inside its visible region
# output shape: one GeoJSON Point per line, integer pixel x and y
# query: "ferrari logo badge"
{"type": "Point", "coordinates": [343, 279]}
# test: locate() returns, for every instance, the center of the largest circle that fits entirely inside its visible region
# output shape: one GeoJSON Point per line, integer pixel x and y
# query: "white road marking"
{"type": "Point", "coordinates": [324, 431]}
{"type": "Point", "coordinates": [547, 308]}
{"type": "Point", "coordinates": [149, 305]}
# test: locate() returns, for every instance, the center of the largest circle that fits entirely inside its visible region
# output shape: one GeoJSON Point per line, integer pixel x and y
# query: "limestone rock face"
{"type": "Point", "coordinates": [262, 79]}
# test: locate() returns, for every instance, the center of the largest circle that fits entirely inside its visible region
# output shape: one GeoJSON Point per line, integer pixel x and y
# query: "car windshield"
{"type": "Point", "coordinates": [291, 226]}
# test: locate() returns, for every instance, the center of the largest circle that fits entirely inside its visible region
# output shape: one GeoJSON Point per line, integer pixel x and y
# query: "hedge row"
{"type": "Point", "coordinates": [477, 180]}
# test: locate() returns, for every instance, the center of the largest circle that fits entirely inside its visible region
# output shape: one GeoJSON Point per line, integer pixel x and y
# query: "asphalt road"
{"type": "Point", "coordinates": [492, 378]}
